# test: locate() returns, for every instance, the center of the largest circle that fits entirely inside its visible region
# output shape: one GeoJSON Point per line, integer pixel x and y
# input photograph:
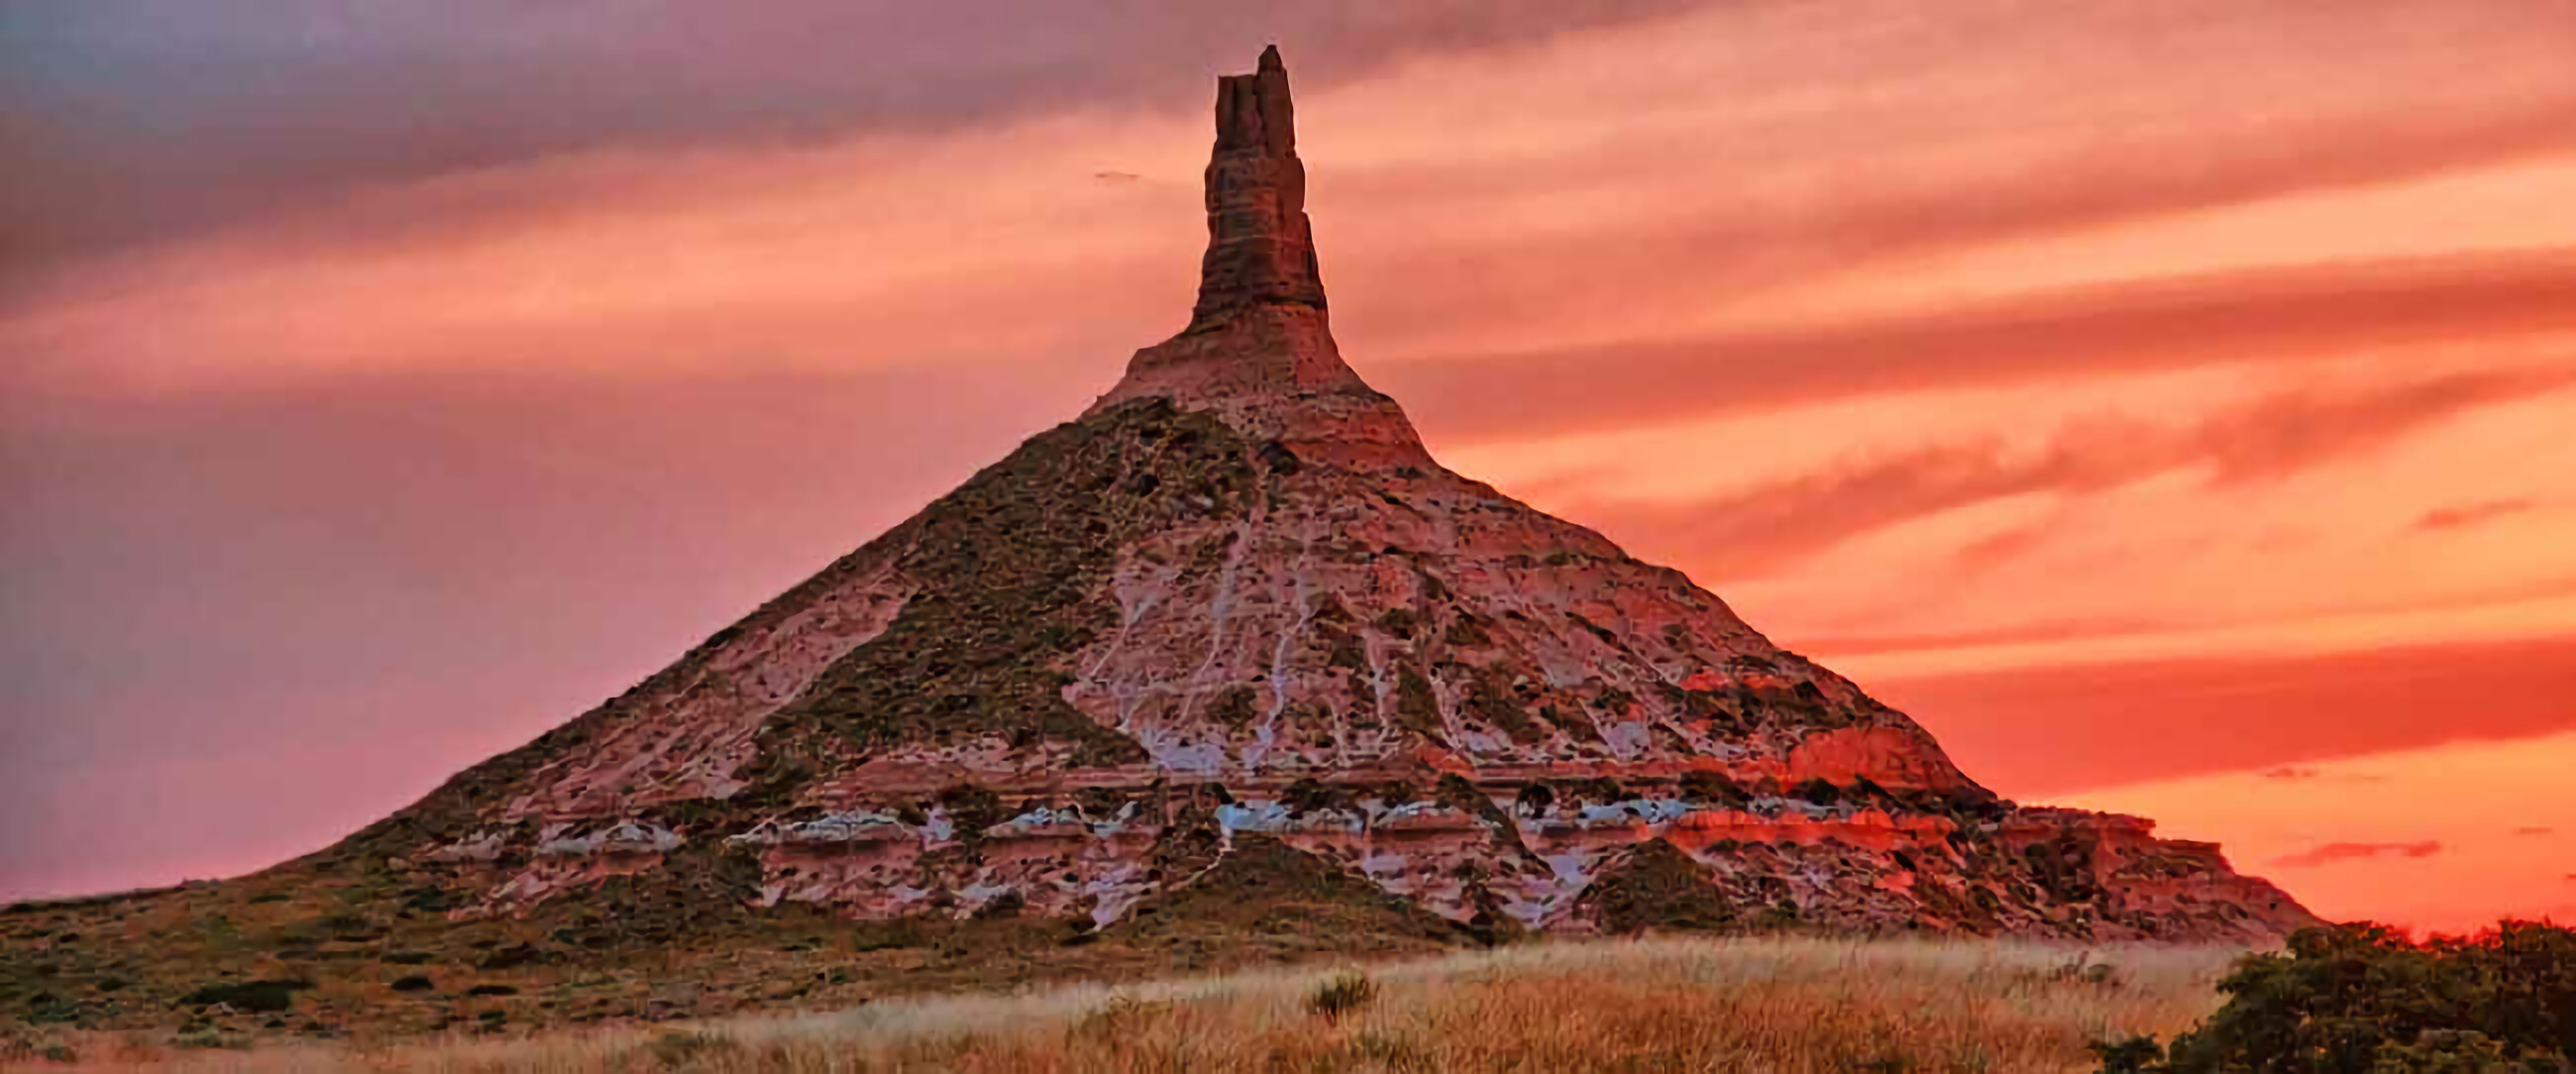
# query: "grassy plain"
{"type": "Point", "coordinates": [1658, 1004]}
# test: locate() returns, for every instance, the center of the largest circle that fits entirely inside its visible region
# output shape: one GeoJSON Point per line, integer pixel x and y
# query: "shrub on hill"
{"type": "Point", "coordinates": [2363, 998]}
{"type": "Point", "coordinates": [1341, 994]}
{"type": "Point", "coordinates": [260, 996]}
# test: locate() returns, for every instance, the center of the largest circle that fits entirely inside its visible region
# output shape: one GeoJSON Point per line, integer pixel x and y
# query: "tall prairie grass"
{"type": "Point", "coordinates": [1652, 1005]}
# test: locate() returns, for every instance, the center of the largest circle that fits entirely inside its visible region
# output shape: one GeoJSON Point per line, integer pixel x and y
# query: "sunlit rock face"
{"type": "Point", "coordinates": [1238, 597]}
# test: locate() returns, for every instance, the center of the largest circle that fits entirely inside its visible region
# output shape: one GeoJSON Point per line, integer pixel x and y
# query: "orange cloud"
{"type": "Point", "coordinates": [2265, 316]}
{"type": "Point", "coordinates": [1755, 531]}
{"type": "Point", "coordinates": [2470, 514]}
{"type": "Point", "coordinates": [2419, 846]}
{"type": "Point", "coordinates": [2042, 731]}
{"type": "Point", "coordinates": [2330, 853]}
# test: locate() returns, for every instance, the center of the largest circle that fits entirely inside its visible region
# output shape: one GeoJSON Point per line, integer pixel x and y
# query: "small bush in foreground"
{"type": "Point", "coordinates": [1341, 994]}
{"type": "Point", "coordinates": [2363, 999]}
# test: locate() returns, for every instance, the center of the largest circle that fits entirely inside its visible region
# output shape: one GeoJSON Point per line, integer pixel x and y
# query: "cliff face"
{"type": "Point", "coordinates": [1237, 603]}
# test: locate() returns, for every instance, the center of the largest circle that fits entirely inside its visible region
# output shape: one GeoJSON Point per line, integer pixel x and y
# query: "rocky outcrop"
{"type": "Point", "coordinates": [1237, 604]}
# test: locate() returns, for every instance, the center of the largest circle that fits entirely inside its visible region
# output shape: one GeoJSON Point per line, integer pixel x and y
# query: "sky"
{"type": "Point", "coordinates": [2171, 405]}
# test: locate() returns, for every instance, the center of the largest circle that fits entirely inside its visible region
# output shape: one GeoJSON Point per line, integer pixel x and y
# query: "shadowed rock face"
{"type": "Point", "coordinates": [1237, 603]}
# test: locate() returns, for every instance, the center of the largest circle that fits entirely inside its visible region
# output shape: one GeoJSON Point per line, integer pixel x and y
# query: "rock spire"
{"type": "Point", "coordinates": [1258, 351]}
{"type": "Point", "coordinates": [1260, 247]}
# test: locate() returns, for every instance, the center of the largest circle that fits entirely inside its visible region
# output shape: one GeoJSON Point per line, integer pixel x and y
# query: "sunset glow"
{"type": "Point", "coordinates": [2173, 407]}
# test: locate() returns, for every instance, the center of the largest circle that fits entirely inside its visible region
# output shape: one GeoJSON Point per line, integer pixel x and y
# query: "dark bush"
{"type": "Point", "coordinates": [1535, 798]}
{"type": "Point", "coordinates": [1341, 994]}
{"type": "Point", "coordinates": [1309, 794]}
{"type": "Point", "coordinates": [413, 983]}
{"type": "Point", "coordinates": [1005, 905]}
{"type": "Point", "coordinates": [517, 955]}
{"type": "Point", "coordinates": [1712, 787]}
{"type": "Point", "coordinates": [2360, 998]}
{"type": "Point", "coordinates": [2129, 1056]}
{"type": "Point", "coordinates": [45, 1008]}
{"type": "Point", "coordinates": [256, 996]}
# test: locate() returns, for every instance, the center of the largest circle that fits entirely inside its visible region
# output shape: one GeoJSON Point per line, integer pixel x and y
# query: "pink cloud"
{"type": "Point", "coordinates": [2335, 852]}
{"type": "Point", "coordinates": [137, 126]}
{"type": "Point", "coordinates": [2460, 516]}
{"type": "Point", "coordinates": [2250, 317]}
{"type": "Point", "coordinates": [2035, 732]}
{"type": "Point", "coordinates": [1754, 532]}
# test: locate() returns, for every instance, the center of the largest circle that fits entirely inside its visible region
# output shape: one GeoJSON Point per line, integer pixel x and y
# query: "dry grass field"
{"type": "Point", "coordinates": [1758, 1004]}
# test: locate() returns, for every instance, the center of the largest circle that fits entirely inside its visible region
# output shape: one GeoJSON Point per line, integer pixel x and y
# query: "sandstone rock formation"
{"type": "Point", "coordinates": [1237, 604]}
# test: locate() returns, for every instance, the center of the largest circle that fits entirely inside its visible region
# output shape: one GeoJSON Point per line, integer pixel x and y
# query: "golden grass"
{"type": "Point", "coordinates": [1785, 1004]}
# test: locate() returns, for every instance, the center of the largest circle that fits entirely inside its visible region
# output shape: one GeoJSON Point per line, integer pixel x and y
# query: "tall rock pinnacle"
{"type": "Point", "coordinates": [1258, 351]}
{"type": "Point", "coordinates": [1260, 247]}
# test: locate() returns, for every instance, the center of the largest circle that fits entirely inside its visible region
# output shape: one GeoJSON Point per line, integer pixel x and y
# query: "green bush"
{"type": "Point", "coordinates": [45, 1008]}
{"type": "Point", "coordinates": [2129, 1056]}
{"type": "Point", "coordinates": [2365, 999]}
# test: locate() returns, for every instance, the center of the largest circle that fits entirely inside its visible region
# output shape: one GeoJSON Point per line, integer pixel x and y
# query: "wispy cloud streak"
{"type": "Point", "coordinates": [2331, 853]}
{"type": "Point", "coordinates": [1754, 531]}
